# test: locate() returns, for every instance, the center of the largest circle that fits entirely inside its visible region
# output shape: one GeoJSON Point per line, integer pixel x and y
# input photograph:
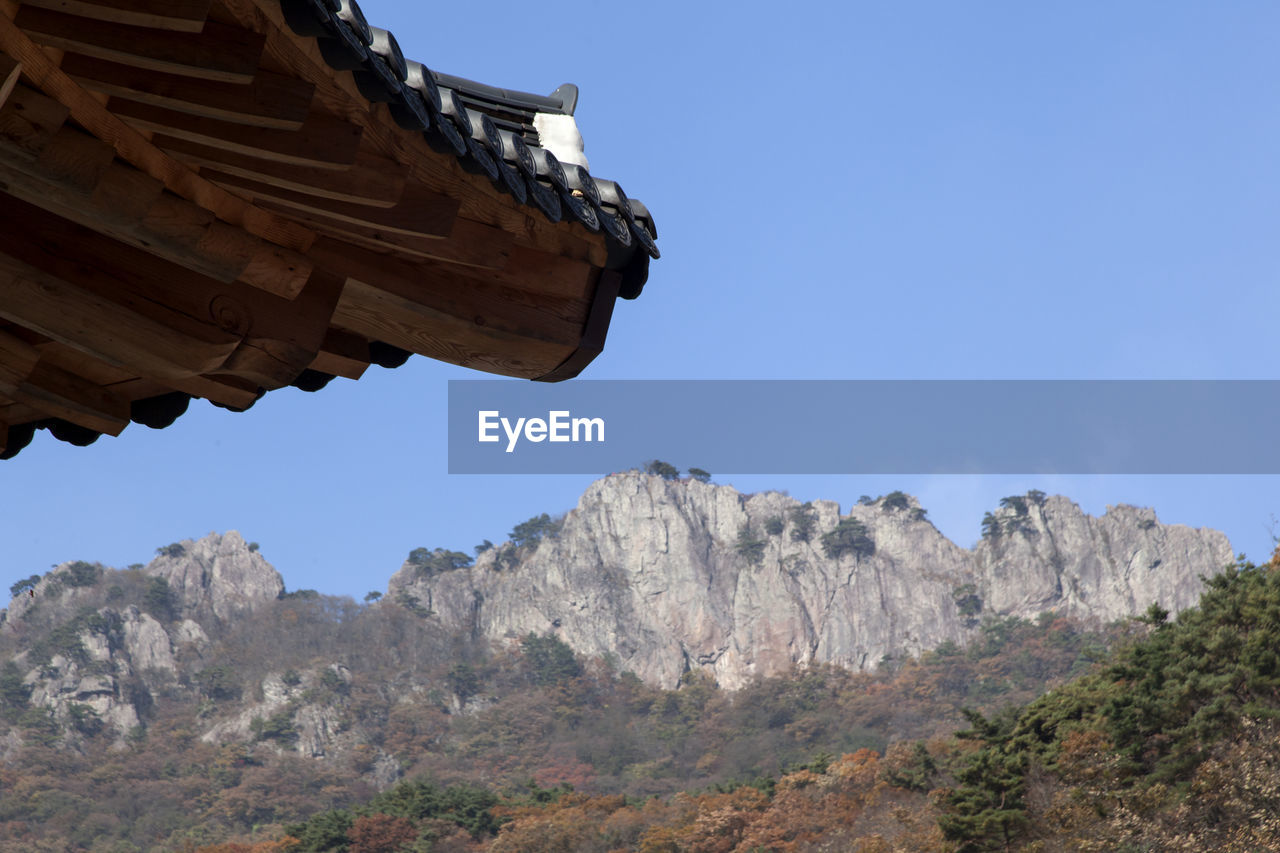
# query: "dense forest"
{"type": "Point", "coordinates": [1158, 734]}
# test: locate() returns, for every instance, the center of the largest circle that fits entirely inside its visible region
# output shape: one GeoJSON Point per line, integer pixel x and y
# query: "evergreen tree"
{"type": "Point", "coordinates": [986, 811]}
{"type": "Point", "coordinates": [665, 470]}
{"type": "Point", "coordinates": [548, 659]}
{"type": "Point", "coordinates": [849, 537]}
{"type": "Point", "coordinates": [803, 520]}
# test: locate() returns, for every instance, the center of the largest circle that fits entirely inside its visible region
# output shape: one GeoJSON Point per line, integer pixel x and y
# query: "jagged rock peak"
{"type": "Point", "coordinates": [1046, 553]}
{"type": "Point", "coordinates": [221, 574]}
{"type": "Point", "coordinates": [670, 575]}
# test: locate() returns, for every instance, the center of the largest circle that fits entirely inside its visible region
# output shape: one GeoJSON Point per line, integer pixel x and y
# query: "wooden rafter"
{"type": "Point", "coordinates": [418, 212]}
{"type": "Point", "coordinates": [321, 142]}
{"type": "Point", "coordinates": [369, 180]}
{"type": "Point", "coordinates": [135, 149]}
{"type": "Point", "coordinates": [267, 100]}
{"type": "Point", "coordinates": [10, 71]}
{"type": "Point", "coordinates": [217, 52]}
{"type": "Point", "coordinates": [185, 16]}
{"type": "Point", "coordinates": [75, 175]}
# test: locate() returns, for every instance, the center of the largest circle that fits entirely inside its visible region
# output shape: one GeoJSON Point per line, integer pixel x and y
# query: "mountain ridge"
{"type": "Point", "coordinates": [675, 575]}
{"type": "Point", "coordinates": [660, 577]}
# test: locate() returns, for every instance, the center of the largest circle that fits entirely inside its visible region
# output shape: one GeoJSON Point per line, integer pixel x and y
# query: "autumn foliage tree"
{"type": "Point", "coordinates": [381, 833]}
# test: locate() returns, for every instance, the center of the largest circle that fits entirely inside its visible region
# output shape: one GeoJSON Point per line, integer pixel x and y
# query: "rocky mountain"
{"type": "Point", "coordinates": [198, 679]}
{"type": "Point", "coordinates": [667, 576]}
{"type": "Point", "coordinates": [660, 576]}
{"type": "Point", "coordinates": [104, 663]}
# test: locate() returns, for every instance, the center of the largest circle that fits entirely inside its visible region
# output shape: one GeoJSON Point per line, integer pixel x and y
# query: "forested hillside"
{"type": "Point", "coordinates": [1172, 744]}
{"type": "Point", "coordinates": [218, 752]}
{"type": "Point", "coordinates": [196, 704]}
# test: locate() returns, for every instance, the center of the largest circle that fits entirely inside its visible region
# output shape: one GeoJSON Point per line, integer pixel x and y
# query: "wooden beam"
{"type": "Point", "coordinates": [71, 163]}
{"type": "Point", "coordinates": [597, 329]}
{"type": "Point", "coordinates": [86, 366]}
{"type": "Point", "coordinates": [132, 147]}
{"type": "Point", "coordinates": [71, 173]}
{"type": "Point", "coordinates": [342, 354]}
{"type": "Point", "coordinates": [370, 180]}
{"type": "Point", "coordinates": [224, 390]}
{"type": "Point", "coordinates": [186, 16]}
{"type": "Point", "coordinates": [539, 275]}
{"type": "Point", "coordinates": [17, 359]}
{"type": "Point", "coordinates": [481, 306]}
{"type": "Point", "coordinates": [322, 141]}
{"type": "Point", "coordinates": [419, 211]}
{"type": "Point", "coordinates": [546, 273]}
{"type": "Point", "coordinates": [28, 120]}
{"type": "Point", "coordinates": [268, 100]}
{"type": "Point", "coordinates": [284, 342]}
{"type": "Point", "coordinates": [62, 394]}
{"type": "Point", "coordinates": [469, 244]}
{"type": "Point", "coordinates": [216, 52]}
{"type": "Point", "coordinates": [18, 413]}
{"type": "Point", "coordinates": [137, 388]}
{"type": "Point", "coordinates": [382, 316]}
{"type": "Point", "coordinates": [263, 331]}
{"type": "Point", "coordinates": [10, 70]}
{"type": "Point", "coordinates": [116, 333]}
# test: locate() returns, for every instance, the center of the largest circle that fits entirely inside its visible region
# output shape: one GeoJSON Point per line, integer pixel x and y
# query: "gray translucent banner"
{"type": "Point", "coordinates": [867, 426]}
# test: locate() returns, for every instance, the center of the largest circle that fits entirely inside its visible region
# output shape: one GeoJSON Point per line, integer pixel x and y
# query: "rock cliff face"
{"type": "Point", "coordinates": [102, 665]}
{"type": "Point", "coordinates": [668, 576]}
{"type": "Point", "coordinates": [220, 575]}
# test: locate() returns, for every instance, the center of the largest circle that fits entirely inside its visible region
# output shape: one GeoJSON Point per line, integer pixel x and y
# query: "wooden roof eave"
{"type": "Point", "coordinates": [377, 243]}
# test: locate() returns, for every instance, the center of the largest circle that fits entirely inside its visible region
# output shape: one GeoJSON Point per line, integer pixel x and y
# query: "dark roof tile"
{"type": "Point", "coordinates": [492, 131]}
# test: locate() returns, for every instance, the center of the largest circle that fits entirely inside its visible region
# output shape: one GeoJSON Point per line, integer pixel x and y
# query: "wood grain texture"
{"type": "Point", "coordinates": [322, 141]}
{"type": "Point", "coordinates": [419, 212]}
{"type": "Point", "coordinates": [342, 354]}
{"type": "Point", "coordinates": [17, 359]}
{"type": "Point", "coordinates": [492, 251]}
{"type": "Point", "coordinates": [134, 148]}
{"type": "Point", "coordinates": [158, 346]}
{"type": "Point", "coordinates": [482, 307]}
{"type": "Point", "coordinates": [268, 100]}
{"type": "Point", "coordinates": [217, 52]}
{"type": "Point", "coordinates": [133, 309]}
{"type": "Point", "coordinates": [226, 390]}
{"type": "Point", "coordinates": [595, 332]}
{"type": "Point", "coordinates": [10, 71]}
{"type": "Point", "coordinates": [65, 395]}
{"type": "Point", "coordinates": [75, 175]}
{"type": "Point", "coordinates": [186, 16]}
{"type": "Point", "coordinates": [380, 315]}
{"type": "Point", "coordinates": [85, 366]}
{"type": "Point", "coordinates": [370, 180]}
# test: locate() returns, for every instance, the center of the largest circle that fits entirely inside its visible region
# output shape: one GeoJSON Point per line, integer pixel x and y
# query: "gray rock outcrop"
{"type": "Point", "coordinates": [668, 576]}
{"type": "Point", "coordinates": [219, 574]}
{"type": "Point", "coordinates": [120, 656]}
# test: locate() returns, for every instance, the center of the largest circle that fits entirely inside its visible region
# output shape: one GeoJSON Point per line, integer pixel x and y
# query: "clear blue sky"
{"type": "Point", "coordinates": [912, 190]}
